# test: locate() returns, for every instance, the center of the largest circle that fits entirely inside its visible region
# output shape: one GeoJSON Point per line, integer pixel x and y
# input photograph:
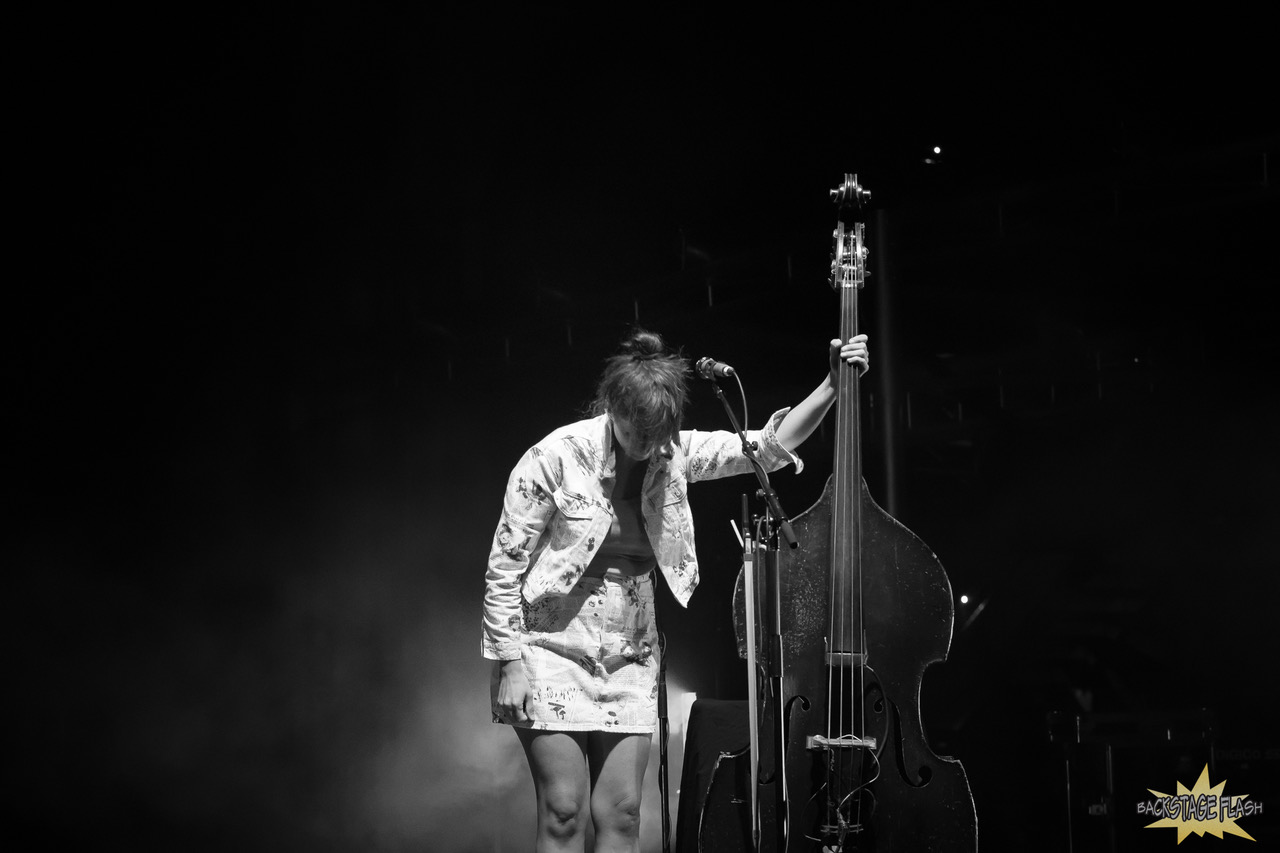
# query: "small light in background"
{"type": "Point", "coordinates": [936, 156]}
{"type": "Point", "coordinates": [971, 607]}
{"type": "Point", "coordinates": [684, 704]}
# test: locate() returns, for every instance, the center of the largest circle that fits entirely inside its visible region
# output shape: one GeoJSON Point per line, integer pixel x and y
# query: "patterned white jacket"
{"type": "Point", "coordinates": [557, 510]}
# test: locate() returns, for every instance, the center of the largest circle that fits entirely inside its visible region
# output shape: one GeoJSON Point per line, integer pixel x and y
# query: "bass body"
{"type": "Point", "coordinates": [846, 626]}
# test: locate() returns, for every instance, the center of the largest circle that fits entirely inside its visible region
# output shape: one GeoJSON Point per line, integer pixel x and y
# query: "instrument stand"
{"type": "Point", "coordinates": [770, 758]}
{"type": "Point", "coordinates": [764, 597]}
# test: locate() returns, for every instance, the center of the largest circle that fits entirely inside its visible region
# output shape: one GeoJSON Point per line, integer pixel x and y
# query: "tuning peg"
{"type": "Point", "coordinates": [849, 192]}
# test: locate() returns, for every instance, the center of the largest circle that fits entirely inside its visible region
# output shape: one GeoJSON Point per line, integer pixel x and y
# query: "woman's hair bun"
{"type": "Point", "coordinates": [643, 345]}
{"type": "Point", "coordinates": [645, 383]}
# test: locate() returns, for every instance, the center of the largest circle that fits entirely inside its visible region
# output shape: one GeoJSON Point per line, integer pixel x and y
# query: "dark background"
{"type": "Point", "coordinates": [301, 282]}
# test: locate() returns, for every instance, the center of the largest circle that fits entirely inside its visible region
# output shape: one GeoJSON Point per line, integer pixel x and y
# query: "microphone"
{"type": "Point", "coordinates": [709, 368]}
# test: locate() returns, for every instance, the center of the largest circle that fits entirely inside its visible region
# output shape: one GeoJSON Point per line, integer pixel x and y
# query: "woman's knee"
{"type": "Point", "coordinates": [618, 815]}
{"type": "Point", "coordinates": [563, 812]}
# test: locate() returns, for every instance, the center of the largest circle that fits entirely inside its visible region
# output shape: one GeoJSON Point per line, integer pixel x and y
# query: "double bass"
{"type": "Point", "coordinates": [846, 624]}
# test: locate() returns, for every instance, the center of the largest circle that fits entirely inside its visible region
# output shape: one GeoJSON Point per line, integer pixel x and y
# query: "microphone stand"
{"type": "Point", "coordinates": [766, 491]}
{"type": "Point", "coordinates": [768, 596]}
{"type": "Point", "coordinates": [664, 733]}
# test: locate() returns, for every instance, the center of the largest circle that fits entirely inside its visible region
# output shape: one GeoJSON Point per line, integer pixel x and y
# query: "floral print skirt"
{"type": "Point", "coordinates": [592, 657]}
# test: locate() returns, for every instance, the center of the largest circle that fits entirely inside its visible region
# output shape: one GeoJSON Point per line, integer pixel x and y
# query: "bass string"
{"type": "Point", "coordinates": [857, 672]}
{"type": "Point", "coordinates": [846, 676]}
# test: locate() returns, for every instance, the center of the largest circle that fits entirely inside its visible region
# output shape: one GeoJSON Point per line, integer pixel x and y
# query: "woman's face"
{"type": "Point", "coordinates": [635, 446]}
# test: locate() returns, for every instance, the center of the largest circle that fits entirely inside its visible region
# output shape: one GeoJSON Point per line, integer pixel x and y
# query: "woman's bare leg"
{"type": "Point", "coordinates": [618, 762]}
{"type": "Point", "coordinates": [558, 761]}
